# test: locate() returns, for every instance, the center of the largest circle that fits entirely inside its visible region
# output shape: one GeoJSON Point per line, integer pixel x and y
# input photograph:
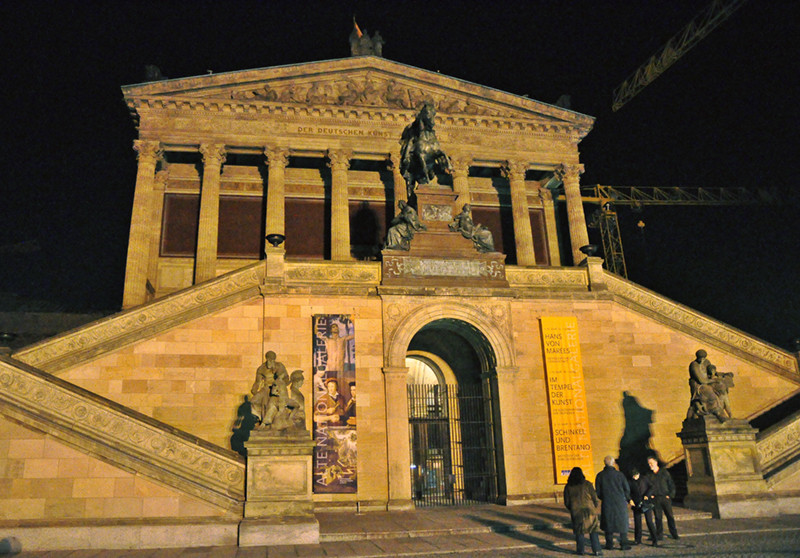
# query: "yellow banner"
{"type": "Point", "coordinates": [569, 419]}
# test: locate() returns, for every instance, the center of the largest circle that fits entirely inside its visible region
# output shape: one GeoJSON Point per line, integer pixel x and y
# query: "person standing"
{"type": "Point", "coordinates": [614, 493]}
{"type": "Point", "coordinates": [642, 505]}
{"type": "Point", "coordinates": [662, 491]}
{"type": "Point", "coordinates": [581, 501]}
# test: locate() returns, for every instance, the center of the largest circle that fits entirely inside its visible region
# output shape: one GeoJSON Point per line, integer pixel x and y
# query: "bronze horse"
{"type": "Point", "coordinates": [421, 156]}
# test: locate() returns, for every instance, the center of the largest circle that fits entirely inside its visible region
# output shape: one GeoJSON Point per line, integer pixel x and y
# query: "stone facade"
{"type": "Point", "coordinates": [148, 398]}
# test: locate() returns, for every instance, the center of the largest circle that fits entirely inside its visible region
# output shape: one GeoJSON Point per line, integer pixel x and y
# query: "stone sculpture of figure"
{"type": "Point", "coordinates": [403, 228]}
{"type": "Point", "coordinates": [698, 371]}
{"type": "Point", "coordinates": [421, 156]}
{"type": "Point", "coordinates": [478, 234]}
{"type": "Point", "coordinates": [377, 44]}
{"type": "Point", "coordinates": [712, 397]}
{"type": "Point", "coordinates": [270, 389]}
{"type": "Point", "coordinates": [292, 415]}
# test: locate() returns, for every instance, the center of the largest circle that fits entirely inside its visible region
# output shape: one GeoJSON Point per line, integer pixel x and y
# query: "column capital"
{"type": "Point", "coordinates": [276, 155]}
{"type": "Point", "coordinates": [162, 177]}
{"type": "Point", "coordinates": [460, 164]}
{"type": "Point", "coordinates": [569, 172]}
{"type": "Point", "coordinates": [339, 159]}
{"type": "Point", "coordinates": [514, 170]}
{"type": "Point", "coordinates": [213, 153]}
{"type": "Point", "coordinates": [393, 162]}
{"type": "Point", "coordinates": [148, 151]}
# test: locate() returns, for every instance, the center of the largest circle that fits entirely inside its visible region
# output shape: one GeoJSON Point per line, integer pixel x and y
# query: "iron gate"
{"type": "Point", "coordinates": [453, 458]}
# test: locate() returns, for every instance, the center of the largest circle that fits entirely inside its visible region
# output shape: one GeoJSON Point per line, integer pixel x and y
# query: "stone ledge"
{"type": "Point", "coordinates": [123, 534]}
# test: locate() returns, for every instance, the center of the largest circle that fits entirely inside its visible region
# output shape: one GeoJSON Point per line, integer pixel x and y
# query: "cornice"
{"type": "Point", "coordinates": [143, 322]}
{"type": "Point", "coordinates": [121, 436]}
{"type": "Point", "coordinates": [336, 113]}
{"type": "Point", "coordinates": [700, 326]}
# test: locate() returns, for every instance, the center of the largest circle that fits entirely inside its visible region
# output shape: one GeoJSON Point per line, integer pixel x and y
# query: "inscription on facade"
{"type": "Point", "coordinates": [336, 131]}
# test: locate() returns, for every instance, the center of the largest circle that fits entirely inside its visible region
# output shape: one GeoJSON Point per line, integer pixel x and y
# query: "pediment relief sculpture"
{"type": "Point", "coordinates": [367, 91]}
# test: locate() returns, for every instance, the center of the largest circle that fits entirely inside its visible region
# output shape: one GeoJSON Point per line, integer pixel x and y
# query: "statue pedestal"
{"type": "Point", "coordinates": [439, 256]}
{"type": "Point", "coordinates": [724, 476]}
{"type": "Point", "coordinates": [279, 508]}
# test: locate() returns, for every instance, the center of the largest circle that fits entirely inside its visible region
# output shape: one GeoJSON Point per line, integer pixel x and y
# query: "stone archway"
{"type": "Point", "coordinates": [403, 319]}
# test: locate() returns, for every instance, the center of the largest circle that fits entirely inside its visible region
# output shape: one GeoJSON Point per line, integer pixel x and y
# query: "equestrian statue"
{"type": "Point", "coordinates": [421, 156]}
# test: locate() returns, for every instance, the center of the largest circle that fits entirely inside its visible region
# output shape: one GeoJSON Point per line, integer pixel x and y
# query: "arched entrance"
{"type": "Point", "coordinates": [453, 416]}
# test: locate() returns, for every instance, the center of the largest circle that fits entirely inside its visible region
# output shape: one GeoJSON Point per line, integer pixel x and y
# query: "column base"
{"type": "Point", "coordinates": [400, 505]}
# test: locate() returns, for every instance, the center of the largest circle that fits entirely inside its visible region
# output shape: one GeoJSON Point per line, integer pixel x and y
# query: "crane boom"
{"type": "Point", "coordinates": [677, 46]}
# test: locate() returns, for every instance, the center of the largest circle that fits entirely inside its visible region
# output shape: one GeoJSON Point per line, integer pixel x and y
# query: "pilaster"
{"type": "Point", "coordinates": [159, 188]}
{"type": "Point", "coordinates": [461, 181]}
{"type": "Point", "coordinates": [551, 225]}
{"type": "Point", "coordinates": [400, 192]}
{"type": "Point", "coordinates": [208, 224]}
{"type": "Point", "coordinates": [339, 162]}
{"type": "Point", "coordinates": [397, 435]}
{"type": "Point", "coordinates": [578, 233]}
{"type": "Point", "coordinates": [514, 171]}
{"type": "Point", "coordinates": [148, 154]}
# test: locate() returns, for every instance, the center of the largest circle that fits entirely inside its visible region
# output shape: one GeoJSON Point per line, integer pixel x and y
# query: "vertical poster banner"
{"type": "Point", "coordinates": [334, 396]}
{"type": "Point", "coordinates": [569, 418]}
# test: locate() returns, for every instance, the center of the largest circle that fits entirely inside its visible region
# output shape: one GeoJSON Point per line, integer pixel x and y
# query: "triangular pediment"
{"type": "Point", "coordinates": [366, 81]}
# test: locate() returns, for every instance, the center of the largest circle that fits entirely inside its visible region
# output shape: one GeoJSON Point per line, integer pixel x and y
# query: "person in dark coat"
{"type": "Point", "coordinates": [662, 492]}
{"type": "Point", "coordinates": [581, 501]}
{"type": "Point", "coordinates": [642, 505]}
{"type": "Point", "coordinates": [614, 493]}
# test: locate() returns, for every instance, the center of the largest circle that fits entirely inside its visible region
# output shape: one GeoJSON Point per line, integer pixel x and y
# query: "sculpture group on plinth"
{"type": "Point", "coordinates": [403, 227]}
{"type": "Point", "coordinates": [709, 389]}
{"type": "Point", "coordinates": [277, 400]}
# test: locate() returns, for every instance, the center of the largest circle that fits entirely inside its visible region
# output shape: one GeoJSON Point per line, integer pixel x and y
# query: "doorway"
{"type": "Point", "coordinates": [453, 416]}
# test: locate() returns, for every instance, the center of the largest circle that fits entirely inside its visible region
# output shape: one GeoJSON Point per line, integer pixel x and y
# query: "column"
{"type": "Point", "coordinates": [339, 162]}
{"type": "Point", "coordinates": [205, 267]}
{"type": "Point", "coordinates": [551, 224]}
{"type": "Point", "coordinates": [461, 180]}
{"type": "Point", "coordinates": [400, 191]}
{"type": "Point", "coordinates": [275, 219]}
{"type": "Point", "coordinates": [514, 171]}
{"type": "Point", "coordinates": [148, 154]}
{"type": "Point", "coordinates": [397, 446]}
{"type": "Point", "coordinates": [159, 188]}
{"type": "Point", "coordinates": [578, 233]}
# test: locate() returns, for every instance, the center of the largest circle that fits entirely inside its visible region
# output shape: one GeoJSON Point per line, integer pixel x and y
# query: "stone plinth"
{"type": "Point", "coordinates": [439, 256]}
{"type": "Point", "coordinates": [278, 507]}
{"type": "Point", "coordinates": [723, 469]}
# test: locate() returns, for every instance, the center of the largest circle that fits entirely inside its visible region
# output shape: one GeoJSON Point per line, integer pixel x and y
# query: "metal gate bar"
{"type": "Point", "coordinates": [452, 445]}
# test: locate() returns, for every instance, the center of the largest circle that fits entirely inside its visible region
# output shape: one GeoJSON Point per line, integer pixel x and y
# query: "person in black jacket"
{"type": "Point", "coordinates": [662, 492]}
{"type": "Point", "coordinates": [614, 493]}
{"type": "Point", "coordinates": [642, 505]}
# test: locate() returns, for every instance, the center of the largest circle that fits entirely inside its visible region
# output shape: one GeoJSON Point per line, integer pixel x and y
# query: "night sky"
{"type": "Point", "coordinates": [725, 114]}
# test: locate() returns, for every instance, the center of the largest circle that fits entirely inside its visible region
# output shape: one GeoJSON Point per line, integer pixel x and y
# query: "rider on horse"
{"type": "Point", "coordinates": [421, 156]}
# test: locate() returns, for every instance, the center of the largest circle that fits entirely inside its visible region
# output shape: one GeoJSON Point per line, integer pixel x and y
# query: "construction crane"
{"type": "Point", "coordinates": [677, 46]}
{"type": "Point", "coordinates": [609, 197]}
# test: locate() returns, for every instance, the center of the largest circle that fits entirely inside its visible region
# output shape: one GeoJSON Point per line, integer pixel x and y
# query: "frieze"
{"type": "Point", "coordinates": [140, 322]}
{"type": "Point", "coordinates": [295, 114]}
{"type": "Point", "coordinates": [328, 272]}
{"type": "Point", "coordinates": [565, 277]}
{"type": "Point", "coordinates": [431, 267]}
{"type": "Point", "coordinates": [119, 436]}
{"type": "Point", "coordinates": [779, 444]}
{"type": "Point", "coordinates": [667, 309]}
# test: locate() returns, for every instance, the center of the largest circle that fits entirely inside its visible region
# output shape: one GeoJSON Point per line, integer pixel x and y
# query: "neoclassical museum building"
{"type": "Point", "coordinates": [262, 206]}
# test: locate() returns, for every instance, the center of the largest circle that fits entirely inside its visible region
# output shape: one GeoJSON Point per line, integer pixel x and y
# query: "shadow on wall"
{"type": "Point", "coordinates": [634, 447]}
{"type": "Point", "coordinates": [245, 422]}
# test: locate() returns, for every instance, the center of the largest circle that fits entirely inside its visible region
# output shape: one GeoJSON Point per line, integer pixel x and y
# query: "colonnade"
{"type": "Point", "coordinates": [148, 201]}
